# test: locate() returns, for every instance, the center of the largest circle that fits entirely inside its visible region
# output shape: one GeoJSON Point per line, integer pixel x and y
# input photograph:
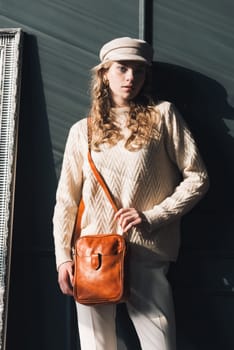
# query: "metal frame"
{"type": "Point", "coordinates": [10, 78]}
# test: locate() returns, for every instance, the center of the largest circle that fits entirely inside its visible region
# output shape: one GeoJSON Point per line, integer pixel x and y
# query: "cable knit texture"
{"type": "Point", "coordinates": [164, 180]}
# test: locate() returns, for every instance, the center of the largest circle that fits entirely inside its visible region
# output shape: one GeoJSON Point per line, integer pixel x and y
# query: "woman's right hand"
{"type": "Point", "coordinates": [65, 277]}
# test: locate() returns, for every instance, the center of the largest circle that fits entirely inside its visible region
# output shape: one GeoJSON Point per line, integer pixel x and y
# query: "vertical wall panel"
{"type": "Point", "coordinates": [194, 44]}
{"type": "Point", "coordinates": [61, 42]}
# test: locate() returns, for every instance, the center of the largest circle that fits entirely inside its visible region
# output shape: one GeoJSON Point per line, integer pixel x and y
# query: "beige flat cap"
{"type": "Point", "coordinates": [126, 49]}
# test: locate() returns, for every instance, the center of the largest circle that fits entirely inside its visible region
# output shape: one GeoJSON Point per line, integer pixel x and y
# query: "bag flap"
{"type": "Point", "coordinates": [104, 244]}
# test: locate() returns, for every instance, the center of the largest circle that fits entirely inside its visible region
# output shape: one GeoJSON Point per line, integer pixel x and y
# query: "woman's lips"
{"type": "Point", "coordinates": [128, 87]}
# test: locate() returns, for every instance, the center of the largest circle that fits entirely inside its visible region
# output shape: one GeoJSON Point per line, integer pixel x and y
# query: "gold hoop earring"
{"type": "Point", "coordinates": [105, 87]}
{"type": "Point", "coordinates": [105, 83]}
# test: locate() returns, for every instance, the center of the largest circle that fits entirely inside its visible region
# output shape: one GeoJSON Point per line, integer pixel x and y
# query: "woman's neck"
{"type": "Point", "coordinates": [119, 103]}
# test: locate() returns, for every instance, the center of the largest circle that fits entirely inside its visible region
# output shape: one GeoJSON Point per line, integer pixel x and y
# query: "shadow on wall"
{"type": "Point", "coordinates": [207, 230]}
{"type": "Point", "coordinates": [203, 104]}
{"type": "Point", "coordinates": [204, 305]}
{"type": "Point", "coordinates": [33, 321]}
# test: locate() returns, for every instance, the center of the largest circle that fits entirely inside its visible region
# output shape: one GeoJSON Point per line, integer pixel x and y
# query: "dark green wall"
{"type": "Point", "coordinates": [193, 67]}
{"type": "Point", "coordinates": [194, 42]}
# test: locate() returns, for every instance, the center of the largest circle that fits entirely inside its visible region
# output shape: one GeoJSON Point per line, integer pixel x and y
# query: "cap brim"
{"type": "Point", "coordinates": [129, 57]}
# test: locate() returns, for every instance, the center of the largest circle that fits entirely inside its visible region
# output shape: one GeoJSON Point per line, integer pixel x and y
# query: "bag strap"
{"type": "Point", "coordinates": [100, 180]}
{"type": "Point", "coordinates": [94, 169]}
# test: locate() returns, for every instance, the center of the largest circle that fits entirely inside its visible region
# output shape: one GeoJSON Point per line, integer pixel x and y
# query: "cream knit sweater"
{"type": "Point", "coordinates": [163, 180]}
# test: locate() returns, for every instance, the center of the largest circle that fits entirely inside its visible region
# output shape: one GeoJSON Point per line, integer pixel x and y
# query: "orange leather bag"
{"type": "Point", "coordinates": [100, 259]}
{"type": "Point", "coordinates": [100, 269]}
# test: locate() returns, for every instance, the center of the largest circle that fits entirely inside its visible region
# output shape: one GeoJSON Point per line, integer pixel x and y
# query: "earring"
{"type": "Point", "coordinates": [105, 87]}
{"type": "Point", "coordinates": [105, 82]}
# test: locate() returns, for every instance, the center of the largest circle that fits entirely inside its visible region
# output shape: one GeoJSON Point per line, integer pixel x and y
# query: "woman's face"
{"type": "Point", "coordinates": [126, 79]}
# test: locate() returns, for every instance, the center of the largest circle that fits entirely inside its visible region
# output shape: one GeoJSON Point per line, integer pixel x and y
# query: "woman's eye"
{"type": "Point", "coordinates": [122, 69]}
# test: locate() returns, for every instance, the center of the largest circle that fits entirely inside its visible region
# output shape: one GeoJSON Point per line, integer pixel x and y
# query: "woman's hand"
{"type": "Point", "coordinates": [129, 217]}
{"type": "Point", "coordinates": [65, 277]}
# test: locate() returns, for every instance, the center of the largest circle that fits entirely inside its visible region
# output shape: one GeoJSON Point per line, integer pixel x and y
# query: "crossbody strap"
{"type": "Point", "coordinates": [94, 169]}
{"type": "Point", "coordinates": [100, 180]}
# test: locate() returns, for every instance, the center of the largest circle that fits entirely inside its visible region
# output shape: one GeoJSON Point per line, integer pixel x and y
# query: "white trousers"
{"type": "Point", "coordinates": [150, 308]}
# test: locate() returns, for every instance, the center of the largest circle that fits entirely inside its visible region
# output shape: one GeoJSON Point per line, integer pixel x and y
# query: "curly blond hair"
{"type": "Point", "coordinates": [142, 120]}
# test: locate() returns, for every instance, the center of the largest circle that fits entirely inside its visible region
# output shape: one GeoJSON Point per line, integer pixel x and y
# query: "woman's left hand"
{"type": "Point", "coordinates": [128, 217]}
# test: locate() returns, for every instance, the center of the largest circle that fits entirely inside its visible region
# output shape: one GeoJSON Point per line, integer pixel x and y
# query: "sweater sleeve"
{"type": "Point", "coordinates": [68, 196]}
{"type": "Point", "coordinates": [184, 153]}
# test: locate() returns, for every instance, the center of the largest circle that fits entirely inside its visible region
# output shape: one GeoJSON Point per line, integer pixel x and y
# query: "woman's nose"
{"type": "Point", "coordinates": [130, 75]}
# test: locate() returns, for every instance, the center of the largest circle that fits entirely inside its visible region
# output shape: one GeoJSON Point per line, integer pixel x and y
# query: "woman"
{"type": "Point", "coordinates": [151, 164]}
